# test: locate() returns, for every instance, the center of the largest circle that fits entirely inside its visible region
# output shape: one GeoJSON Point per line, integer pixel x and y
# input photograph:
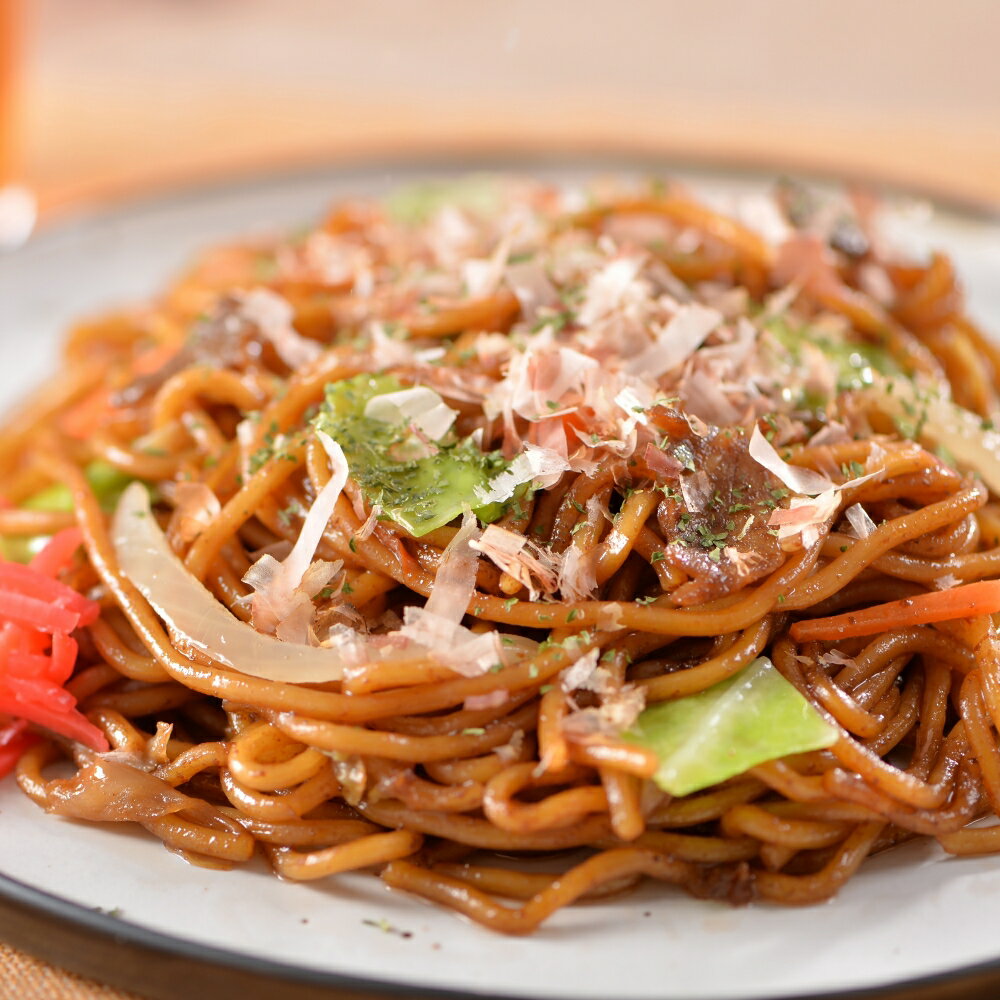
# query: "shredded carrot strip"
{"type": "Point", "coordinates": [982, 598]}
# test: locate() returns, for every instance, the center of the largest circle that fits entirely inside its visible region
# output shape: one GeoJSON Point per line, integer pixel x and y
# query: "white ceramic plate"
{"type": "Point", "coordinates": [909, 915]}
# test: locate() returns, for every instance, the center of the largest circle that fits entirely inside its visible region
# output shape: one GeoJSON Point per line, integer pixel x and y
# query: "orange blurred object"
{"type": "Point", "coordinates": [18, 210]}
{"type": "Point", "coordinates": [10, 23]}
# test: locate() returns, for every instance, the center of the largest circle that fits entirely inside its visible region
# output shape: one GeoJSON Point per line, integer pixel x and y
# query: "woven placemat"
{"type": "Point", "coordinates": [25, 978]}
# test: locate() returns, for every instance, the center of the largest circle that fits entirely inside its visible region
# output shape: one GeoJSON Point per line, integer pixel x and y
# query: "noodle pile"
{"type": "Point", "coordinates": [691, 443]}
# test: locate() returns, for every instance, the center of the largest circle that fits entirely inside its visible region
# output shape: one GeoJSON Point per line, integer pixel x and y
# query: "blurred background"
{"type": "Point", "coordinates": [119, 96]}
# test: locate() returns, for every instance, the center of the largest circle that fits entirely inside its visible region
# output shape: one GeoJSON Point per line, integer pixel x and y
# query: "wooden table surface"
{"type": "Point", "coordinates": [121, 97]}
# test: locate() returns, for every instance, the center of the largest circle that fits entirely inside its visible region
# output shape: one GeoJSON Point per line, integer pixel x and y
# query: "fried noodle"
{"type": "Point", "coordinates": [633, 345]}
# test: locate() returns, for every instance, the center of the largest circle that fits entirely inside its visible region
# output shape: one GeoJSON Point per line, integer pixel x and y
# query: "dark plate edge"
{"type": "Point", "coordinates": [162, 967]}
{"type": "Point", "coordinates": [158, 966]}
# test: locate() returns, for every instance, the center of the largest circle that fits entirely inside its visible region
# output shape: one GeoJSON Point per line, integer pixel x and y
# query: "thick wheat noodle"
{"type": "Point", "coordinates": [933, 299]}
{"type": "Point", "coordinates": [188, 763]}
{"type": "Point", "coordinates": [561, 809]}
{"type": "Point", "coordinates": [863, 552]}
{"type": "Point", "coordinates": [639, 761]}
{"type": "Point", "coordinates": [585, 614]}
{"type": "Point", "coordinates": [370, 849]}
{"type": "Point", "coordinates": [655, 618]}
{"type": "Point", "coordinates": [988, 672]}
{"type": "Point", "coordinates": [752, 249]}
{"type": "Point", "coordinates": [291, 804]}
{"type": "Point", "coordinates": [801, 889]}
{"type": "Point", "coordinates": [307, 832]}
{"type": "Point", "coordinates": [961, 537]}
{"type": "Point", "coordinates": [494, 312]}
{"type": "Point", "coordinates": [870, 589]}
{"type": "Point", "coordinates": [649, 545]}
{"type": "Point", "coordinates": [964, 566]}
{"type": "Point", "coordinates": [249, 763]}
{"type": "Point", "coordinates": [416, 793]}
{"type": "Point", "coordinates": [17, 521]}
{"type": "Point", "coordinates": [239, 509]}
{"type": "Point", "coordinates": [90, 680]}
{"type": "Point", "coordinates": [985, 349]}
{"type": "Point", "coordinates": [205, 433]}
{"type": "Point", "coordinates": [563, 529]}
{"type": "Point", "coordinates": [858, 758]}
{"type": "Point", "coordinates": [954, 816]}
{"type": "Point", "coordinates": [904, 642]}
{"type": "Point", "coordinates": [395, 766]}
{"type": "Point", "coordinates": [513, 884]}
{"type": "Point", "coordinates": [150, 700]}
{"type": "Point", "coordinates": [138, 464]}
{"type": "Point", "coordinates": [901, 711]}
{"type": "Point", "coordinates": [700, 849]}
{"type": "Point", "coordinates": [840, 704]}
{"type": "Point", "coordinates": [122, 735]}
{"type": "Point", "coordinates": [475, 769]}
{"type": "Point", "coordinates": [971, 841]}
{"type": "Point", "coordinates": [248, 690]}
{"type": "Point", "coordinates": [624, 798]}
{"type": "Point", "coordinates": [933, 716]}
{"type": "Point", "coordinates": [693, 810]}
{"type": "Point", "coordinates": [303, 390]}
{"type": "Point", "coordinates": [448, 723]}
{"type": "Point", "coordinates": [782, 778]}
{"type": "Point", "coordinates": [480, 833]}
{"type": "Point", "coordinates": [974, 375]}
{"type": "Point", "coordinates": [801, 834]}
{"type": "Point", "coordinates": [228, 588]}
{"type": "Point", "coordinates": [128, 663]}
{"type": "Point", "coordinates": [214, 837]}
{"type": "Point", "coordinates": [553, 750]}
{"type": "Point", "coordinates": [387, 674]}
{"type": "Point", "coordinates": [824, 812]}
{"type": "Point", "coordinates": [616, 548]}
{"type": "Point", "coordinates": [398, 746]}
{"type": "Point", "coordinates": [750, 643]}
{"type": "Point", "coordinates": [207, 384]}
{"type": "Point", "coordinates": [980, 735]}
{"type": "Point", "coordinates": [585, 877]}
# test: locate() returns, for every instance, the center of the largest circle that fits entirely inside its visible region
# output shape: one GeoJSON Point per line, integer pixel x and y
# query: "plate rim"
{"type": "Point", "coordinates": [115, 951]}
{"type": "Point", "coordinates": [108, 207]}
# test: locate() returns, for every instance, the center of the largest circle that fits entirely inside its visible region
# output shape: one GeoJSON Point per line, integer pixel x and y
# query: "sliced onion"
{"type": "Point", "coordinates": [194, 615]}
{"type": "Point", "coordinates": [941, 424]}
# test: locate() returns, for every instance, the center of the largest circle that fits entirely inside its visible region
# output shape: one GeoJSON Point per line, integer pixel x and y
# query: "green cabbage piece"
{"type": "Point", "coordinates": [105, 480]}
{"type": "Point", "coordinates": [754, 716]}
{"type": "Point", "coordinates": [420, 494]}
{"type": "Point", "coordinates": [857, 363]}
{"type": "Point", "coordinates": [419, 202]}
